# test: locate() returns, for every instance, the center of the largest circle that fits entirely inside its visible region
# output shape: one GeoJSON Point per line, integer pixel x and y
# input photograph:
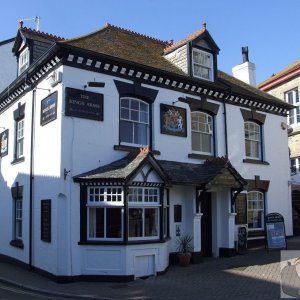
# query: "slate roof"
{"type": "Point", "coordinates": [136, 48]}
{"type": "Point", "coordinates": [177, 173]}
{"type": "Point", "coordinates": [118, 170]}
{"type": "Point", "coordinates": [127, 45]}
{"type": "Point", "coordinates": [239, 87]}
{"type": "Point", "coordinates": [198, 174]}
{"type": "Point", "coordinates": [32, 34]}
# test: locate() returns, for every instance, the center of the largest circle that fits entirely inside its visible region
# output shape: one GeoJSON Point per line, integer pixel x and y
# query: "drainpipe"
{"type": "Point", "coordinates": [31, 177]}
{"type": "Point", "coordinates": [225, 128]}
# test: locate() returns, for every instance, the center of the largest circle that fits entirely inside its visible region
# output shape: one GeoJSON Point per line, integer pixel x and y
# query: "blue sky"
{"type": "Point", "coordinates": [270, 28]}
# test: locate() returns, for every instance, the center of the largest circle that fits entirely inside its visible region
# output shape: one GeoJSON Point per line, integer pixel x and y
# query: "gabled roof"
{"type": "Point", "coordinates": [177, 173]}
{"type": "Point", "coordinates": [200, 174]}
{"type": "Point", "coordinates": [122, 170]}
{"type": "Point", "coordinates": [126, 45]}
{"type": "Point", "coordinates": [25, 33]}
{"type": "Point", "coordinates": [287, 73]}
{"type": "Point", "coordinates": [202, 33]}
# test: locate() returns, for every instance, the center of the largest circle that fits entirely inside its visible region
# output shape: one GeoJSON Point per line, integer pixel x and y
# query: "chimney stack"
{"type": "Point", "coordinates": [246, 71]}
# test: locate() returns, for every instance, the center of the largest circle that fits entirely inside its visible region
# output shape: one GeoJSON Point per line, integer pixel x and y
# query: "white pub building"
{"type": "Point", "coordinates": [114, 144]}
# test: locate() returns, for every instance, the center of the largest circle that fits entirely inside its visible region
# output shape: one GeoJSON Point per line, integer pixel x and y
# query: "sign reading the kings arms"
{"type": "Point", "coordinates": [49, 109]}
{"type": "Point", "coordinates": [83, 104]}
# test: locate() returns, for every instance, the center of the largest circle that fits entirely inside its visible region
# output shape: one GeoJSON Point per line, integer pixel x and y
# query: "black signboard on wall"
{"type": "Point", "coordinates": [241, 209]}
{"type": "Point", "coordinates": [275, 231]}
{"type": "Point", "coordinates": [4, 143]}
{"type": "Point", "coordinates": [46, 220]}
{"type": "Point", "coordinates": [49, 109]}
{"type": "Point", "coordinates": [83, 104]}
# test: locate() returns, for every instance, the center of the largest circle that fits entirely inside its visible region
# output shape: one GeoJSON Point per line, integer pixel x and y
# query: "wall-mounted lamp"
{"type": "Point", "coordinates": [66, 172]}
{"type": "Point", "coordinates": [283, 125]}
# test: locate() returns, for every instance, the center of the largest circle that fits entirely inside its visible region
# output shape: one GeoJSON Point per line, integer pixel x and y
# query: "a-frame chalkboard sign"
{"type": "Point", "coordinates": [275, 231]}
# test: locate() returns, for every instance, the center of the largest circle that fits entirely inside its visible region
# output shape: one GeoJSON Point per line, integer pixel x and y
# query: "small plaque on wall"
{"type": "Point", "coordinates": [4, 143]}
{"type": "Point", "coordinates": [46, 220]}
{"type": "Point", "coordinates": [177, 213]}
{"type": "Point", "coordinates": [83, 104]}
{"type": "Point", "coordinates": [173, 120]}
{"type": "Point", "coordinates": [49, 109]}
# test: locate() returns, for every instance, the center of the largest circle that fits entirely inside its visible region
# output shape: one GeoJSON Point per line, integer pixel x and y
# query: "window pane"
{"type": "Point", "coordinates": [196, 141]}
{"type": "Point", "coordinates": [125, 113]}
{"type": "Point", "coordinates": [134, 104]}
{"type": "Point", "coordinates": [96, 222]}
{"type": "Point", "coordinates": [151, 221]}
{"type": "Point", "coordinates": [134, 115]}
{"type": "Point", "coordinates": [125, 102]}
{"type": "Point", "coordinates": [140, 134]}
{"type": "Point", "coordinates": [206, 143]}
{"type": "Point", "coordinates": [135, 222]}
{"type": "Point", "coordinates": [126, 131]}
{"type": "Point", "coordinates": [113, 222]}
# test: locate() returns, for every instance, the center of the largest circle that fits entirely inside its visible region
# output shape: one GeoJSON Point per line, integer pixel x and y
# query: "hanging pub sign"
{"type": "Point", "coordinates": [4, 143]}
{"type": "Point", "coordinates": [49, 109]}
{"type": "Point", "coordinates": [173, 120]}
{"type": "Point", "coordinates": [84, 104]}
{"type": "Point", "coordinates": [275, 231]}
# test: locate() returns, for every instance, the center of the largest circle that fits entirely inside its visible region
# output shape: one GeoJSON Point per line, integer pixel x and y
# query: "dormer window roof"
{"type": "Point", "coordinates": [196, 55]}
{"type": "Point", "coordinates": [30, 44]}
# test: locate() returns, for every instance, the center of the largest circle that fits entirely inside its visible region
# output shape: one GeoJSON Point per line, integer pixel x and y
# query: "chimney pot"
{"type": "Point", "coordinates": [245, 53]}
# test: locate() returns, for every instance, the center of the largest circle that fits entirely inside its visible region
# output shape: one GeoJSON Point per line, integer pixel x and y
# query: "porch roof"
{"type": "Point", "coordinates": [210, 173]}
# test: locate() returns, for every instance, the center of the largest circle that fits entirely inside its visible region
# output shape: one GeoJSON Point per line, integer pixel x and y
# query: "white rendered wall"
{"type": "Point", "coordinates": [80, 145]}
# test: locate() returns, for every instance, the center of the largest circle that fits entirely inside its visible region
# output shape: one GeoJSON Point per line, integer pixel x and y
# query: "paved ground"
{"type": "Point", "coordinates": [254, 275]}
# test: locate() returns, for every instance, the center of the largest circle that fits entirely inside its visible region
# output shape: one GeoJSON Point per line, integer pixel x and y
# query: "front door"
{"type": "Point", "coordinates": [206, 225]}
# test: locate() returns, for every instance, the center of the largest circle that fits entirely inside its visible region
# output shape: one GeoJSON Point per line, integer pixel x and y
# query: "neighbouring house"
{"type": "Point", "coordinates": [8, 63]}
{"type": "Point", "coordinates": [114, 144]}
{"type": "Point", "coordinates": [285, 85]}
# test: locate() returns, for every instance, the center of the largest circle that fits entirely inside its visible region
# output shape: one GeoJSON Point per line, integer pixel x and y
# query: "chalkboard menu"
{"type": "Point", "coordinates": [84, 104]}
{"type": "Point", "coordinates": [49, 109]}
{"type": "Point", "coordinates": [242, 239]}
{"type": "Point", "coordinates": [46, 220]}
{"type": "Point", "coordinates": [275, 231]}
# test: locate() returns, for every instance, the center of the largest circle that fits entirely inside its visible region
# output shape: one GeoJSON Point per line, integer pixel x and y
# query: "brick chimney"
{"type": "Point", "coordinates": [245, 71]}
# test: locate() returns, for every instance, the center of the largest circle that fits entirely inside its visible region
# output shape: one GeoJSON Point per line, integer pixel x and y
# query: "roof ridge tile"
{"type": "Point", "coordinates": [41, 33]}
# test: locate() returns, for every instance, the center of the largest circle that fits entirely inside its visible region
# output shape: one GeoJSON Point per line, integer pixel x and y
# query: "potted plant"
{"type": "Point", "coordinates": [184, 248]}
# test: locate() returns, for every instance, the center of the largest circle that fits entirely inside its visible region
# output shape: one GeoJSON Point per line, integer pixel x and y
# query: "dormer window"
{"type": "Point", "coordinates": [23, 61]}
{"type": "Point", "coordinates": [202, 65]}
